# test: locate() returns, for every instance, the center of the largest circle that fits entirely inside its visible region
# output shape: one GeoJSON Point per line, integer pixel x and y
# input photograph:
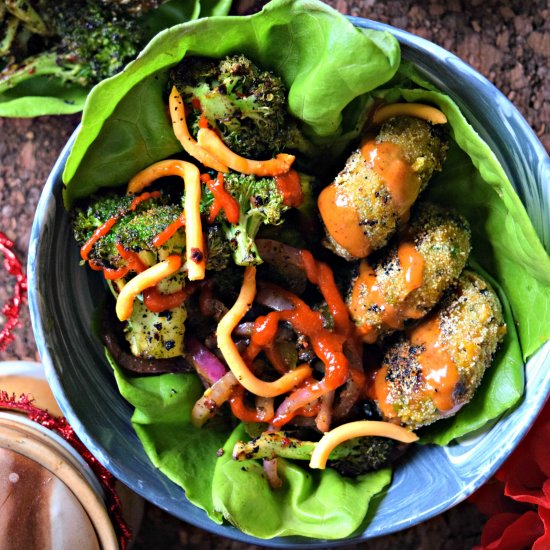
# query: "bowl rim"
{"type": "Point", "coordinates": [409, 43]}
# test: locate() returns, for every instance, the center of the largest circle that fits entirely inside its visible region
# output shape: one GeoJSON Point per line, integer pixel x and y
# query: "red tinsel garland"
{"type": "Point", "coordinates": [24, 405]}
{"type": "Point", "coordinates": [12, 307]}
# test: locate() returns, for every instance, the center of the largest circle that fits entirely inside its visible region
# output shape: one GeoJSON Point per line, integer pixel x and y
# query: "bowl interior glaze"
{"type": "Point", "coordinates": [63, 297]}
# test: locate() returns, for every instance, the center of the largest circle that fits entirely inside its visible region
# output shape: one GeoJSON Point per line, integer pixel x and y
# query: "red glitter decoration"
{"type": "Point", "coordinates": [60, 425]}
{"type": "Point", "coordinates": [12, 307]}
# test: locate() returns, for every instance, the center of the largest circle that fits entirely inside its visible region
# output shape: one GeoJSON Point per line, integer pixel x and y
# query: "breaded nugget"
{"type": "Point", "coordinates": [411, 278]}
{"type": "Point", "coordinates": [371, 197]}
{"type": "Point", "coordinates": [435, 368]}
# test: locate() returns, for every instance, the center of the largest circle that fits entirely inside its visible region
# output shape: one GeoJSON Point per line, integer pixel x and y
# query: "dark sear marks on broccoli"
{"type": "Point", "coordinates": [82, 42]}
{"type": "Point", "coordinates": [246, 105]}
{"type": "Point", "coordinates": [113, 341]}
{"type": "Point", "coordinates": [260, 202]}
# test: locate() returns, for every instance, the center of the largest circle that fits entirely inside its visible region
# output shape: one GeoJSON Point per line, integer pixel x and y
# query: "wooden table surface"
{"type": "Point", "coordinates": [506, 41]}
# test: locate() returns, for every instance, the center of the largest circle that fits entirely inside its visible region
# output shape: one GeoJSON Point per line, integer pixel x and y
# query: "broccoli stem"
{"type": "Point", "coordinates": [10, 31]}
{"type": "Point", "coordinates": [276, 444]}
{"type": "Point", "coordinates": [351, 458]}
{"type": "Point", "coordinates": [28, 15]}
{"type": "Point", "coordinates": [242, 236]}
{"type": "Point", "coordinates": [45, 64]}
{"type": "Point", "coordinates": [271, 445]}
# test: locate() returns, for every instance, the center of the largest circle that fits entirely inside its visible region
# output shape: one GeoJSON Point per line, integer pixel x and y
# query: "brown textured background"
{"type": "Point", "coordinates": [508, 42]}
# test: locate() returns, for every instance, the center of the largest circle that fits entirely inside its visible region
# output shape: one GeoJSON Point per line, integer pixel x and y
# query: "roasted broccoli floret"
{"type": "Point", "coordinates": [246, 105]}
{"type": "Point", "coordinates": [260, 202]}
{"type": "Point", "coordinates": [227, 283]}
{"type": "Point", "coordinates": [134, 230]}
{"type": "Point", "coordinates": [82, 42]}
{"type": "Point", "coordinates": [219, 251]}
{"type": "Point", "coordinates": [102, 37]}
{"type": "Point", "coordinates": [352, 458]}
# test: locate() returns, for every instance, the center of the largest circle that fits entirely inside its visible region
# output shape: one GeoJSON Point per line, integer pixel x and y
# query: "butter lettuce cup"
{"type": "Point", "coordinates": [336, 70]}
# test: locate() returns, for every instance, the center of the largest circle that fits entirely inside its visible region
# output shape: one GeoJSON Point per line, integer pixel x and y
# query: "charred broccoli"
{"type": "Point", "coordinates": [219, 251]}
{"type": "Point", "coordinates": [246, 105]}
{"type": "Point", "coordinates": [260, 202]}
{"type": "Point", "coordinates": [80, 42]}
{"type": "Point", "coordinates": [102, 37]}
{"type": "Point", "coordinates": [134, 230]}
{"type": "Point", "coordinates": [352, 458]}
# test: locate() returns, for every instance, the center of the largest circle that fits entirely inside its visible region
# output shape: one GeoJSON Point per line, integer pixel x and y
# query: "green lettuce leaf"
{"type": "Point", "coordinates": [45, 92]}
{"type": "Point", "coordinates": [163, 407]}
{"type": "Point", "coordinates": [325, 61]}
{"type": "Point", "coordinates": [319, 504]}
{"type": "Point", "coordinates": [125, 128]}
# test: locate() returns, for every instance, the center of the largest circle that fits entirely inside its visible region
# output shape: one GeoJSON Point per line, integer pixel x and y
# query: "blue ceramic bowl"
{"type": "Point", "coordinates": [63, 296]}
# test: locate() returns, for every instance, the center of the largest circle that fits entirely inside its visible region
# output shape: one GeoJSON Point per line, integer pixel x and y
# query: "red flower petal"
{"type": "Point", "coordinates": [543, 542]}
{"type": "Point", "coordinates": [519, 490]}
{"type": "Point", "coordinates": [511, 532]}
{"type": "Point", "coordinates": [490, 500]}
{"type": "Point", "coordinates": [527, 470]}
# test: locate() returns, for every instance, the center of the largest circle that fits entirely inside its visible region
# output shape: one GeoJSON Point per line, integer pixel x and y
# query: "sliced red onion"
{"type": "Point", "coordinates": [349, 395]}
{"type": "Point", "coordinates": [324, 417]}
{"type": "Point", "coordinates": [278, 253]}
{"type": "Point", "coordinates": [244, 330]}
{"type": "Point", "coordinates": [270, 469]}
{"type": "Point", "coordinates": [265, 408]}
{"type": "Point", "coordinates": [212, 399]}
{"type": "Point", "coordinates": [270, 296]}
{"type": "Point", "coordinates": [207, 365]}
{"type": "Point", "coordinates": [209, 305]}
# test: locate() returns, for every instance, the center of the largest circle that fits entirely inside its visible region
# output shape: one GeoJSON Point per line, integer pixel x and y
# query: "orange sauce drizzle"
{"type": "Point", "coordinates": [133, 263]}
{"type": "Point", "coordinates": [439, 371]}
{"type": "Point", "coordinates": [291, 189]}
{"type": "Point", "coordinates": [222, 199]}
{"type": "Point", "coordinates": [366, 290]}
{"type": "Point", "coordinates": [101, 231]}
{"type": "Point", "coordinates": [342, 220]}
{"type": "Point", "coordinates": [412, 264]}
{"type": "Point", "coordinates": [379, 391]}
{"type": "Point", "coordinates": [242, 411]}
{"type": "Point", "coordinates": [203, 122]}
{"type": "Point", "coordinates": [386, 159]}
{"type": "Point", "coordinates": [327, 345]}
{"type": "Point", "coordinates": [143, 197]}
{"type": "Point", "coordinates": [155, 301]}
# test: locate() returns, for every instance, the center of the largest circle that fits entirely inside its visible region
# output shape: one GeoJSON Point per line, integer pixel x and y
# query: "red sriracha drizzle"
{"type": "Point", "coordinates": [153, 298]}
{"type": "Point", "coordinates": [222, 199]}
{"type": "Point", "coordinates": [107, 226]}
{"type": "Point", "coordinates": [169, 232]}
{"type": "Point", "coordinates": [291, 189]}
{"type": "Point", "coordinates": [328, 345]}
